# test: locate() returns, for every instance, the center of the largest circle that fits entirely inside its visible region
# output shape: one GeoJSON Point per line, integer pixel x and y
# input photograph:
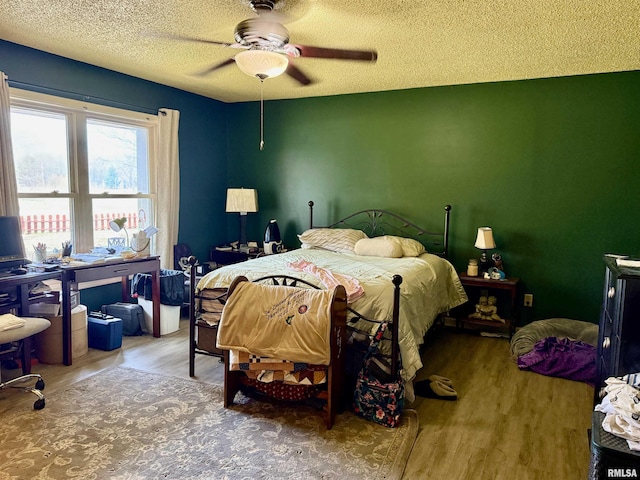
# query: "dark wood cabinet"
{"type": "Point", "coordinates": [619, 333]}
{"type": "Point", "coordinates": [218, 258]}
{"type": "Point", "coordinates": [474, 287]}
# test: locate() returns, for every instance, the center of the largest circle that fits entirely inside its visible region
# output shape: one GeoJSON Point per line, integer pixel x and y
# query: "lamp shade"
{"type": "Point", "coordinates": [117, 224]}
{"type": "Point", "coordinates": [484, 240]}
{"type": "Point", "coordinates": [242, 200]}
{"type": "Point", "coordinates": [262, 63]}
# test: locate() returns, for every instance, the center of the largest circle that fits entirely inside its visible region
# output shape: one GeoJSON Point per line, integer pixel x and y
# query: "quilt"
{"type": "Point", "coordinates": [430, 286]}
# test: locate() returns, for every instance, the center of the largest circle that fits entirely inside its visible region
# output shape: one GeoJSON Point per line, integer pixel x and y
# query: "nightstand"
{"type": "Point", "coordinates": [218, 258]}
{"type": "Point", "coordinates": [498, 288]}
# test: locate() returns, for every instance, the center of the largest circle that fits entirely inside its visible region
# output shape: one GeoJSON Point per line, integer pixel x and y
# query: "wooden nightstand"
{"type": "Point", "coordinates": [218, 258]}
{"type": "Point", "coordinates": [473, 286]}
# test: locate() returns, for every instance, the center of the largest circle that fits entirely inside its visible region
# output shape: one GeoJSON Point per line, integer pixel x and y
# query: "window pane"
{"type": "Point", "coordinates": [80, 152]}
{"type": "Point", "coordinates": [40, 151]}
{"type": "Point", "coordinates": [137, 211]}
{"type": "Point", "coordinates": [45, 221]}
{"type": "Point", "coordinates": [118, 158]}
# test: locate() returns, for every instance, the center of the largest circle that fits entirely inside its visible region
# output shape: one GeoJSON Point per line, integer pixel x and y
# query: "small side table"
{"type": "Point", "coordinates": [508, 284]}
{"type": "Point", "coordinates": [228, 257]}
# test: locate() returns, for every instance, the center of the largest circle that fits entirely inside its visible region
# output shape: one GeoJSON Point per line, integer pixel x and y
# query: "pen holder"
{"type": "Point", "coordinates": [66, 251]}
{"type": "Point", "coordinates": [40, 255]}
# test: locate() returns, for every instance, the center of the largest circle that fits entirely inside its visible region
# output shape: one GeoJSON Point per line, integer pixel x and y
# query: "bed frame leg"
{"type": "Point", "coordinates": [335, 372]}
{"type": "Point", "coordinates": [232, 380]}
{"type": "Point", "coordinates": [192, 315]}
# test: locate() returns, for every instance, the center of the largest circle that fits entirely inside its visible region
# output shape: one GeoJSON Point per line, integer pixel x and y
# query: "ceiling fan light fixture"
{"type": "Point", "coordinates": [262, 63]}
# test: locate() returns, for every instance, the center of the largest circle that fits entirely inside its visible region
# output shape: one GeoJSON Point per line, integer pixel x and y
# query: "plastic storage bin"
{"type": "Point", "coordinates": [172, 297]}
{"type": "Point", "coordinates": [105, 333]}
{"type": "Point", "coordinates": [169, 317]}
{"type": "Point", "coordinates": [171, 287]}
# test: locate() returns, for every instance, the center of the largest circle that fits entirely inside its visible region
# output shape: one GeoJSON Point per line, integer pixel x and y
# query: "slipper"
{"type": "Point", "coordinates": [428, 389]}
{"type": "Point", "coordinates": [438, 378]}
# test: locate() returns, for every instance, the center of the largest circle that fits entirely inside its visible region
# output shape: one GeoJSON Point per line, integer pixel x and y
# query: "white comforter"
{"type": "Point", "coordinates": [430, 286]}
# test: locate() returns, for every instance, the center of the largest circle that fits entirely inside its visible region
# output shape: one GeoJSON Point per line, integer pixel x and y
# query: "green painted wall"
{"type": "Point", "coordinates": [549, 164]}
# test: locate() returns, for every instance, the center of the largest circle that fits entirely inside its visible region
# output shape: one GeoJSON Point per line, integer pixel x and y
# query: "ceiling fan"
{"type": "Point", "coordinates": [266, 51]}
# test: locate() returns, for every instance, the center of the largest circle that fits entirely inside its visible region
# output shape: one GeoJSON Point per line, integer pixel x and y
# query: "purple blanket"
{"type": "Point", "coordinates": [561, 357]}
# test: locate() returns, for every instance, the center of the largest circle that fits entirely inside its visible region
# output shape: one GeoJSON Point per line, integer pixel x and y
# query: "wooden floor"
{"type": "Point", "coordinates": [506, 424]}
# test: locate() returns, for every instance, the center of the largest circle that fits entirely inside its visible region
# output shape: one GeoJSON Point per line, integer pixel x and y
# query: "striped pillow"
{"type": "Point", "coordinates": [341, 240]}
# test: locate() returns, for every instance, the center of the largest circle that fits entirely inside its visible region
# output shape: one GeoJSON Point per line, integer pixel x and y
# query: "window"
{"type": "Point", "coordinates": [79, 166]}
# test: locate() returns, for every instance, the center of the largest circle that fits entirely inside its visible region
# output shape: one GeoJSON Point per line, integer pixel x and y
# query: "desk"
{"type": "Point", "coordinates": [98, 271]}
{"type": "Point", "coordinates": [23, 283]}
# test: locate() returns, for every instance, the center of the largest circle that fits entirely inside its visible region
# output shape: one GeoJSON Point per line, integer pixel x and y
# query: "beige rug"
{"type": "Point", "coordinates": [128, 424]}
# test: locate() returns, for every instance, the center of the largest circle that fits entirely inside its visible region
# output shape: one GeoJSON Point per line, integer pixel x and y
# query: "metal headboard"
{"type": "Point", "coordinates": [375, 222]}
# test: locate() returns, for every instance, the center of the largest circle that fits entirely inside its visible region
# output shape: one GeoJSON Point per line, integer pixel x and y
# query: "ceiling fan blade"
{"type": "Point", "coordinates": [319, 52]}
{"type": "Point", "coordinates": [199, 40]}
{"type": "Point", "coordinates": [215, 67]}
{"type": "Point", "coordinates": [297, 74]}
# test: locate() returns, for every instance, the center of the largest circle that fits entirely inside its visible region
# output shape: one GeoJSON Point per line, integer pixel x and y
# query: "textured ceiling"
{"type": "Point", "coordinates": [419, 43]}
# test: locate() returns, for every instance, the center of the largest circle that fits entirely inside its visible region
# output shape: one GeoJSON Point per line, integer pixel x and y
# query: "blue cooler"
{"type": "Point", "coordinates": [105, 333]}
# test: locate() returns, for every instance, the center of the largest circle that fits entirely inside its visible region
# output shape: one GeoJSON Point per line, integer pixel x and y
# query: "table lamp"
{"type": "Point", "coordinates": [117, 224]}
{"type": "Point", "coordinates": [484, 241]}
{"type": "Point", "coordinates": [242, 201]}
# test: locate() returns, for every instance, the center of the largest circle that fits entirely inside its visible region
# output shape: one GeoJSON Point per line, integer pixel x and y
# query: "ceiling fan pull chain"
{"type": "Point", "coordinates": [261, 114]}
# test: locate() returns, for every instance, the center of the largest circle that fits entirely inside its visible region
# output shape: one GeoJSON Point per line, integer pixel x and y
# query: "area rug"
{"type": "Point", "coordinates": [127, 424]}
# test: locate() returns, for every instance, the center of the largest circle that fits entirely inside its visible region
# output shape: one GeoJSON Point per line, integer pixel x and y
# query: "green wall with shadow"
{"type": "Point", "coordinates": [550, 165]}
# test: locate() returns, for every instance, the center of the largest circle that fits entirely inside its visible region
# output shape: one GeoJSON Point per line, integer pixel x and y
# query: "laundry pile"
{"type": "Point", "coordinates": [621, 406]}
{"type": "Point", "coordinates": [557, 347]}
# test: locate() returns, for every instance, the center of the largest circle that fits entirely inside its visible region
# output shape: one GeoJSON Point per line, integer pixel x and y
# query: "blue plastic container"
{"type": "Point", "coordinates": [105, 334]}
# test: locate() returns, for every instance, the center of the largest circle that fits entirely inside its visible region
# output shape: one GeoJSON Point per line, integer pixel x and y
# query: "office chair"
{"type": "Point", "coordinates": [17, 340]}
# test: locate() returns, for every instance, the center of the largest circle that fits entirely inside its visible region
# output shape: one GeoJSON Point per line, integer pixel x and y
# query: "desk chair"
{"type": "Point", "coordinates": [18, 341]}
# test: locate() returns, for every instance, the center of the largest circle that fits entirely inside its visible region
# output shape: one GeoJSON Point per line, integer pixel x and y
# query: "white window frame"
{"type": "Point", "coordinates": [77, 113]}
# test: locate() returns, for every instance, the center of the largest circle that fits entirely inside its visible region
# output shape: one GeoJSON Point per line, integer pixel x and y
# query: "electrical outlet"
{"type": "Point", "coordinates": [528, 299]}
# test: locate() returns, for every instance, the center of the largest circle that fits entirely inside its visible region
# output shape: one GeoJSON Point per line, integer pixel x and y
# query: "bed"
{"type": "Point", "coordinates": [265, 321]}
{"type": "Point", "coordinates": [413, 288]}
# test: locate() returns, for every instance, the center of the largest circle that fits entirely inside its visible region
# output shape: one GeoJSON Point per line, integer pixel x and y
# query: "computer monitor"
{"type": "Point", "coordinates": [11, 246]}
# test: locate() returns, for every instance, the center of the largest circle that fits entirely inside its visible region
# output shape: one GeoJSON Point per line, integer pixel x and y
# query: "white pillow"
{"type": "Point", "coordinates": [410, 247]}
{"type": "Point", "coordinates": [379, 247]}
{"type": "Point", "coordinates": [341, 240]}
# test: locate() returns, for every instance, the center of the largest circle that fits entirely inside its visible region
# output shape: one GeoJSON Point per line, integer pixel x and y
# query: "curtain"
{"type": "Point", "coordinates": [168, 187]}
{"type": "Point", "coordinates": [8, 183]}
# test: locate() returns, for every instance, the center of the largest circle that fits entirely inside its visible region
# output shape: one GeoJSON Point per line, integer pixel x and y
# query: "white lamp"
{"type": "Point", "coordinates": [484, 241]}
{"type": "Point", "coordinates": [242, 201]}
{"type": "Point", "coordinates": [262, 63]}
{"type": "Point", "coordinates": [117, 224]}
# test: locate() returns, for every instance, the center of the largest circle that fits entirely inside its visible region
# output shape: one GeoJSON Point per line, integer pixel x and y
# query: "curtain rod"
{"type": "Point", "coordinates": [82, 97]}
